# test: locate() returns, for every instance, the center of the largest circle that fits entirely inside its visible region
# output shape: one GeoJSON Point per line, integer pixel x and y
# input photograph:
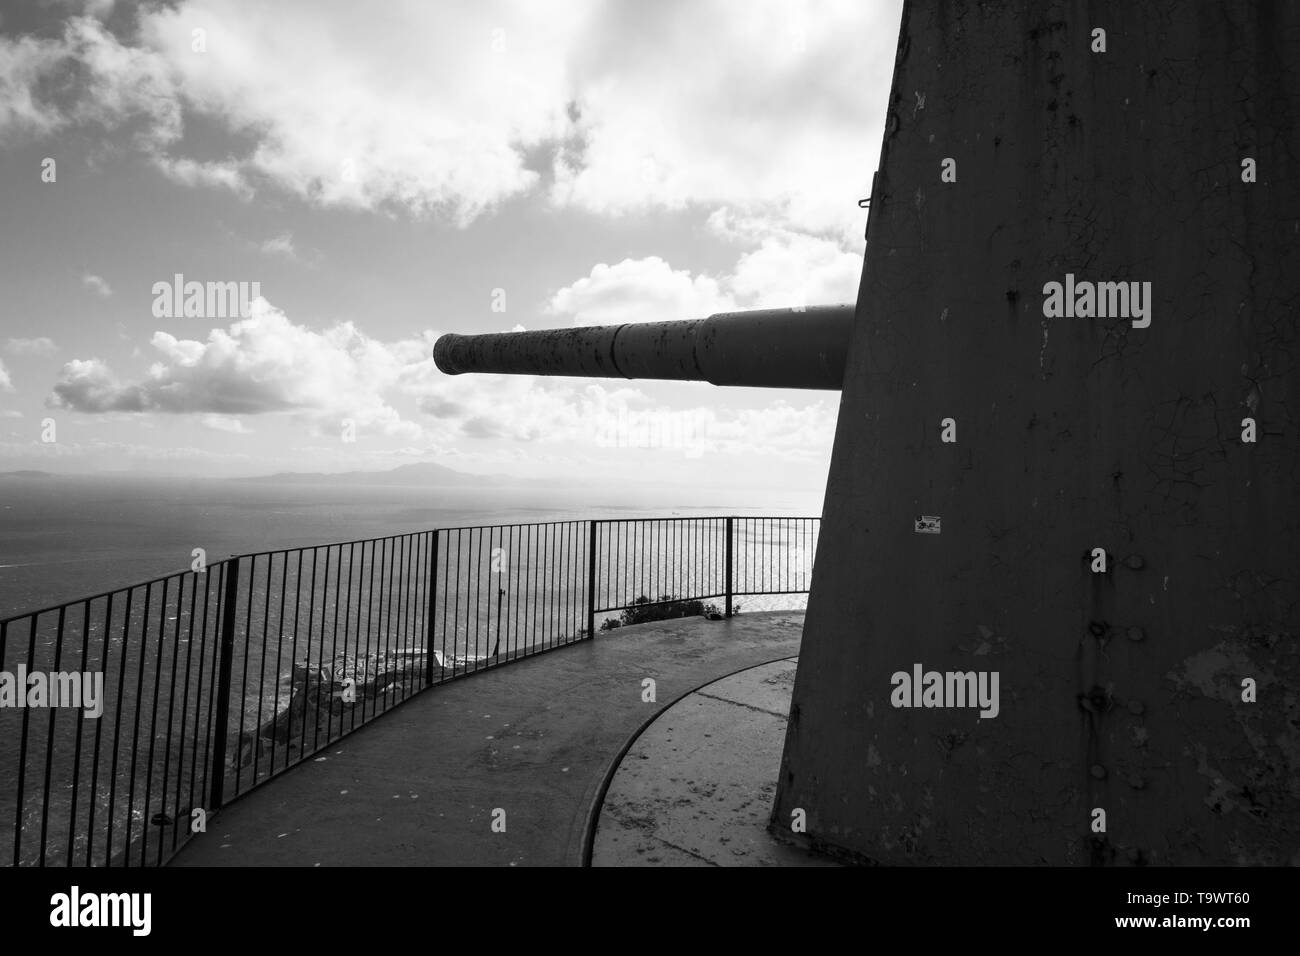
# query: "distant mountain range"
{"type": "Point", "coordinates": [26, 474]}
{"type": "Point", "coordinates": [425, 474]}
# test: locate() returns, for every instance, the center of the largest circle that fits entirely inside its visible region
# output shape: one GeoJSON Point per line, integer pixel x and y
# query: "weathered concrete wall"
{"type": "Point", "coordinates": [1118, 690]}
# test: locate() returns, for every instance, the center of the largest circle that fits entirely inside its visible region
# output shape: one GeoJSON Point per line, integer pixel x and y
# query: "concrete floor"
{"type": "Point", "coordinates": [696, 788]}
{"type": "Point", "coordinates": [528, 744]}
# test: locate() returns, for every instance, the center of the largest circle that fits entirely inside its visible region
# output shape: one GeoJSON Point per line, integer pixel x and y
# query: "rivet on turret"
{"type": "Point", "coordinates": [1135, 708]}
{"type": "Point", "coordinates": [1098, 771]}
{"type": "Point", "coordinates": [1135, 633]}
{"type": "Point", "coordinates": [1135, 562]}
{"type": "Point", "coordinates": [1136, 782]}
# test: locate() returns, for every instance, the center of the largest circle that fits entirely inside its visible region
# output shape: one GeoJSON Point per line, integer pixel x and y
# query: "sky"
{"type": "Point", "coordinates": [370, 176]}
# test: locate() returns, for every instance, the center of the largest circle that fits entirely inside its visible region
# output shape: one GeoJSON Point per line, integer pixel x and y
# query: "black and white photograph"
{"type": "Point", "coordinates": [844, 435]}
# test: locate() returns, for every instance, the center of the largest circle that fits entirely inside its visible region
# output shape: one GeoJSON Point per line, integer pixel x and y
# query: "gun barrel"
{"type": "Point", "coordinates": [767, 348]}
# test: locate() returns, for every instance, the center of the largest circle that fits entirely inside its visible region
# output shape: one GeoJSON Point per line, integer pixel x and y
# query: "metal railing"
{"type": "Point", "coordinates": [215, 681]}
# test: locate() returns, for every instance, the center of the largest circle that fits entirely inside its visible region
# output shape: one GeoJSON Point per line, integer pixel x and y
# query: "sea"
{"type": "Point", "coordinates": [66, 537]}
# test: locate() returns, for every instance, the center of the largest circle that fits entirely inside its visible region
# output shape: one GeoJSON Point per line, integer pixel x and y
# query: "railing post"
{"type": "Point", "coordinates": [428, 636]}
{"type": "Point", "coordinates": [591, 580]}
{"type": "Point", "coordinates": [217, 796]}
{"type": "Point", "coordinates": [729, 526]}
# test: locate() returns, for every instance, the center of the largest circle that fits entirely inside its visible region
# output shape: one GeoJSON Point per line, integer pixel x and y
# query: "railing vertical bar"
{"type": "Point", "coordinates": [431, 619]}
{"type": "Point", "coordinates": [403, 626]}
{"type": "Point", "coordinates": [261, 679]}
{"type": "Point", "coordinates": [230, 599]}
{"type": "Point", "coordinates": [306, 656]}
{"type": "Point", "coordinates": [566, 595]}
{"type": "Point", "coordinates": [243, 679]}
{"type": "Point", "coordinates": [491, 593]}
{"type": "Point", "coordinates": [540, 625]}
{"type": "Point", "coordinates": [516, 586]}
{"type": "Point", "coordinates": [256, 742]}
{"type": "Point", "coordinates": [728, 565]}
{"type": "Point", "coordinates": [293, 654]}
{"type": "Point", "coordinates": [334, 651]}
{"type": "Point", "coordinates": [675, 530]}
{"type": "Point", "coordinates": [455, 643]}
{"type": "Point", "coordinates": [279, 650]}
{"type": "Point", "coordinates": [591, 581]}
{"type": "Point", "coordinates": [577, 573]}
{"type": "Point", "coordinates": [319, 674]}
{"type": "Point", "coordinates": [545, 592]}
{"type": "Point", "coordinates": [530, 609]}
{"type": "Point", "coordinates": [570, 581]}
{"type": "Point", "coordinates": [22, 751]}
{"type": "Point", "coordinates": [185, 708]}
{"type": "Point", "coordinates": [171, 716]}
{"type": "Point", "coordinates": [117, 718]}
{"type": "Point", "coordinates": [49, 738]}
{"type": "Point", "coordinates": [211, 694]}
{"type": "Point", "coordinates": [561, 592]}
{"type": "Point", "coordinates": [135, 729]}
{"type": "Point", "coordinates": [381, 630]}
{"type": "Point", "coordinates": [661, 551]}
{"type": "Point", "coordinates": [76, 757]}
{"type": "Point", "coordinates": [400, 635]}
{"type": "Point", "coordinates": [364, 673]}
{"type": "Point", "coordinates": [388, 557]}
{"type": "Point", "coordinates": [310, 673]}
{"type": "Point", "coordinates": [146, 819]}
{"type": "Point", "coordinates": [418, 603]}
{"type": "Point", "coordinates": [387, 561]}
{"type": "Point", "coordinates": [446, 576]}
{"type": "Point", "coordinates": [554, 584]}
{"type": "Point", "coordinates": [350, 668]}
{"type": "Point", "coordinates": [500, 595]}
{"type": "Point", "coordinates": [99, 735]}
{"type": "Point", "coordinates": [408, 565]}
{"type": "Point", "coordinates": [18, 824]}
{"type": "Point", "coordinates": [476, 569]}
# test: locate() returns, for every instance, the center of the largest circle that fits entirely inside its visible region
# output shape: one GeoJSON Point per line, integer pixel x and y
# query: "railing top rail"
{"type": "Point", "coordinates": [120, 589]}
{"type": "Point", "coordinates": [390, 537]}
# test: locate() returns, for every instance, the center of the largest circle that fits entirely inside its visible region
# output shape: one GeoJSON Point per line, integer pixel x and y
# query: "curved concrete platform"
{"type": "Point", "coordinates": [696, 787]}
{"type": "Point", "coordinates": [534, 740]}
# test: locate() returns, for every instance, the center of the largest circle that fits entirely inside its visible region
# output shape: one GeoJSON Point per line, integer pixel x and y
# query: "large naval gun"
{"type": "Point", "coordinates": [772, 348]}
{"type": "Point", "coordinates": [1056, 603]}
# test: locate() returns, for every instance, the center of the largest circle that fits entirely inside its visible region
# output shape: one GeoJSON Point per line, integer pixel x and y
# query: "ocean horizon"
{"type": "Point", "coordinates": [66, 537]}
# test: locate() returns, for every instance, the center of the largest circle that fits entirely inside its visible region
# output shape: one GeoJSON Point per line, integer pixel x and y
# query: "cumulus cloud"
{"type": "Point", "coordinates": [97, 284]}
{"type": "Point", "coordinates": [36, 346]}
{"type": "Point", "coordinates": [6, 384]}
{"type": "Point", "coordinates": [542, 411]}
{"type": "Point", "coordinates": [262, 364]}
{"type": "Point", "coordinates": [639, 290]}
{"type": "Point", "coordinates": [268, 365]}
{"type": "Point", "coordinates": [785, 271]}
{"type": "Point", "coordinates": [773, 113]}
{"type": "Point", "coordinates": [790, 269]}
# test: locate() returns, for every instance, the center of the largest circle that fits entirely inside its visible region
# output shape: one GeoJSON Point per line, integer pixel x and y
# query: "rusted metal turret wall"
{"type": "Point", "coordinates": [1125, 690]}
